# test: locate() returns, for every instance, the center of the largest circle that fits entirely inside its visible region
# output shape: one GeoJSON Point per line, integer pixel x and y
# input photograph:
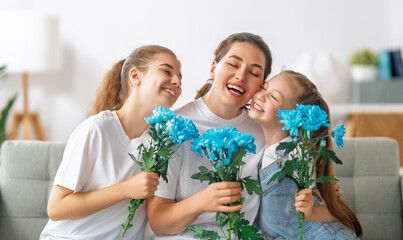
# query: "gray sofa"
{"type": "Point", "coordinates": [369, 179]}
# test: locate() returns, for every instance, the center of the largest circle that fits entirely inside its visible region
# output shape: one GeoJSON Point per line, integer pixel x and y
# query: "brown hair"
{"type": "Point", "coordinates": [225, 46]}
{"type": "Point", "coordinates": [337, 207]}
{"type": "Point", "coordinates": [114, 88]}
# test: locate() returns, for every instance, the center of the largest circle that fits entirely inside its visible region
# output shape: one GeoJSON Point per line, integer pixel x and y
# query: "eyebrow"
{"type": "Point", "coordinates": [169, 66]}
{"type": "Point", "coordinates": [240, 59]}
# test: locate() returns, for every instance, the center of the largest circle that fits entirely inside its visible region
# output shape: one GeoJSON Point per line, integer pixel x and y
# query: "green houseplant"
{"type": "Point", "coordinates": [4, 111]}
{"type": "Point", "coordinates": [364, 66]}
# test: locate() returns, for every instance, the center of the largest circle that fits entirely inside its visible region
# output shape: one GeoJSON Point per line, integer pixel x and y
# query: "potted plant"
{"type": "Point", "coordinates": [4, 111]}
{"type": "Point", "coordinates": [364, 66]}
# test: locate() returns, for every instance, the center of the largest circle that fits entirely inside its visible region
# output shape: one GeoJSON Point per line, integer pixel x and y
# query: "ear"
{"type": "Point", "coordinates": [134, 77]}
{"type": "Point", "coordinates": [212, 69]}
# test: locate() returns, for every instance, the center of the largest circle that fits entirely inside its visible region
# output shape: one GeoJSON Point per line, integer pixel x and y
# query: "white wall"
{"type": "Point", "coordinates": [95, 34]}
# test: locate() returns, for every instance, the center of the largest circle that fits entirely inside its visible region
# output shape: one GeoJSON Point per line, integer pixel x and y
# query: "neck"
{"type": "Point", "coordinates": [223, 111]}
{"type": "Point", "coordinates": [132, 117]}
{"type": "Point", "coordinates": [273, 135]}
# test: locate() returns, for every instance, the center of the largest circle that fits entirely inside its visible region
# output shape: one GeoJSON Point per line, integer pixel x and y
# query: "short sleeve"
{"type": "Point", "coordinates": [168, 190]}
{"type": "Point", "coordinates": [79, 156]}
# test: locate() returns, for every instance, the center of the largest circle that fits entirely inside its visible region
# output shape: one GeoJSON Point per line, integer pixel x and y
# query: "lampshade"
{"type": "Point", "coordinates": [28, 41]}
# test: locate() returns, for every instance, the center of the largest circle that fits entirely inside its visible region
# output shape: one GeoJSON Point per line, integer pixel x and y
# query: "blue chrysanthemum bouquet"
{"type": "Point", "coordinates": [225, 148]}
{"type": "Point", "coordinates": [167, 131]}
{"type": "Point", "coordinates": [304, 149]}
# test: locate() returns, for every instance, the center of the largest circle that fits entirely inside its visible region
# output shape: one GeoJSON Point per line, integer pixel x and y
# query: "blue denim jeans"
{"type": "Point", "coordinates": [278, 217]}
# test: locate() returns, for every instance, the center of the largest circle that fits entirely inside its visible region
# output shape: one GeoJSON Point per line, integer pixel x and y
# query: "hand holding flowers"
{"type": "Point", "coordinates": [167, 131]}
{"type": "Point", "coordinates": [305, 148]}
{"type": "Point", "coordinates": [225, 148]}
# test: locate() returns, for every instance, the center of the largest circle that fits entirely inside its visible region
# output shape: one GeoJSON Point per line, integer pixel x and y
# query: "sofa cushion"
{"type": "Point", "coordinates": [28, 169]}
{"type": "Point", "coordinates": [369, 178]}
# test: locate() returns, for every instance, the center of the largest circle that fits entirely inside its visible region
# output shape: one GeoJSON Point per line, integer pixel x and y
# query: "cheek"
{"type": "Point", "coordinates": [271, 110]}
{"type": "Point", "coordinates": [254, 86]}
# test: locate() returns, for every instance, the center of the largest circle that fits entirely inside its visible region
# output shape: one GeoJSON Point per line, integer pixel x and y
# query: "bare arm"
{"type": "Point", "coordinates": [65, 204]}
{"type": "Point", "coordinates": [169, 217]}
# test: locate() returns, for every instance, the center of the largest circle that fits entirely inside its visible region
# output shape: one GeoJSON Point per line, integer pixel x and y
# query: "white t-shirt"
{"type": "Point", "coordinates": [270, 155]}
{"type": "Point", "coordinates": [185, 163]}
{"type": "Point", "coordinates": [96, 156]}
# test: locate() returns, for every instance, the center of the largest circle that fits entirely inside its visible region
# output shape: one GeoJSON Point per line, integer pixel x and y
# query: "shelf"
{"type": "Point", "coordinates": [378, 91]}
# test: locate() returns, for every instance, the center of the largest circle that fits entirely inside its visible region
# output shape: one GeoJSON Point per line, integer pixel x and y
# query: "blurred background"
{"type": "Point", "coordinates": [84, 38]}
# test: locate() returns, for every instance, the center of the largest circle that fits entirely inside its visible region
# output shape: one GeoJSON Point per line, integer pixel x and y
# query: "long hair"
{"type": "Point", "coordinates": [225, 46]}
{"type": "Point", "coordinates": [337, 207]}
{"type": "Point", "coordinates": [114, 88]}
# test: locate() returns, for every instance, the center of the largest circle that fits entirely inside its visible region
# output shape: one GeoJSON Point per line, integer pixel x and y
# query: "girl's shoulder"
{"type": "Point", "coordinates": [95, 123]}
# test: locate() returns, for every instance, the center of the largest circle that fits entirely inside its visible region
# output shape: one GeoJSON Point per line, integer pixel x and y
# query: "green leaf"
{"type": "Point", "coordinates": [279, 176]}
{"type": "Point", "coordinates": [246, 231]}
{"type": "Point", "coordinates": [205, 175]}
{"type": "Point", "coordinates": [134, 159]}
{"type": "Point", "coordinates": [252, 185]}
{"type": "Point", "coordinates": [326, 154]}
{"type": "Point", "coordinates": [290, 146]}
{"type": "Point", "coordinates": [323, 179]}
{"type": "Point", "coordinates": [3, 119]}
{"type": "Point", "coordinates": [148, 159]}
{"type": "Point", "coordinates": [299, 185]}
{"type": "Point", "coordinates": [237, 158]}
{"type": "Point", "coordinates": [288, 167]}
{"type": "Point", "coordinates": [203, 234]}
{"type": "Point", "coordinates": [221, 219]}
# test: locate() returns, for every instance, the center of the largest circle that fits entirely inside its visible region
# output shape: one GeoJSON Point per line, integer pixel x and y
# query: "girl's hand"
{"type": "Point", "coordinates": [304, 202]}
{"type": "Point", "coordinates": [215, 197]}
{"type": "Point", "coordinates": [141, 186]}
{"type": "Point", "coordinates": [336, 185]}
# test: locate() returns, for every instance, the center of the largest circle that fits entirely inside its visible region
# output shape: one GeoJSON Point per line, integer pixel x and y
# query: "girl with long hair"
{"type": "Point", "coordinates": [333, 218]}
{"type": "Point", "coordinates": [97, 178]}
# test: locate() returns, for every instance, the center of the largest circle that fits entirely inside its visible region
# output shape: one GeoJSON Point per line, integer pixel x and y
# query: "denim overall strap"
{"type": "Point", "coordinates": [278, 216]}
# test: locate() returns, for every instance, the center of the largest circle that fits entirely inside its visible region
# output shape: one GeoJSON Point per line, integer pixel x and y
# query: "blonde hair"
{"type": "Point", "coordinates": [114, 88]}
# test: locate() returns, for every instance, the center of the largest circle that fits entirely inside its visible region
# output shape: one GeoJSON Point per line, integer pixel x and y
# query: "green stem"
{"type": "Point", "coordinates": [300, 221]}
{"type": "Point", "coordinates": [135, 203]}
{"type": "Point", "coordinates": [229, 226]}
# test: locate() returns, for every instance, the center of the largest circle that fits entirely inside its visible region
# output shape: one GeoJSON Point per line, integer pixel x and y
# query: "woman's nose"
{"type": "Point", "coordinates": [240, 74]}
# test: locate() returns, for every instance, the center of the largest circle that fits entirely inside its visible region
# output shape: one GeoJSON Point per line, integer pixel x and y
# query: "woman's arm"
{"type": "Point", "coordinates": [65, 204]}
{"type": "Point", "coordinates": [304, 202]}
{"type": "Point", "coordinates": [168, 217]}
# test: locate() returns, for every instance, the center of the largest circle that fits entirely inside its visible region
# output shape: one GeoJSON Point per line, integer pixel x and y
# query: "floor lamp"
{"type": "Point", "coordinates": [26, 42]}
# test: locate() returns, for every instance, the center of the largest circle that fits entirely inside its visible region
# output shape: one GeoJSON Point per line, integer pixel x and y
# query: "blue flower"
{"type": "Point", "coordinates": [313, 118]}
{"type": "Point", "coordinates": [160, 115]}
{"type": "Point", "coordinates": [338, 134]}
{"type": "Point", "coordinates": [182, 130]}
{"type": "Point", "coordinates": [323, 143]}
{"type": "Point", "coordinates": [212, 156]}
{"type": "Point", "coordinates": [291, 120]}
{"type": "Point", "coordinates": [224, 142]}
{"type": "Point", "coordinates": [227, 161]}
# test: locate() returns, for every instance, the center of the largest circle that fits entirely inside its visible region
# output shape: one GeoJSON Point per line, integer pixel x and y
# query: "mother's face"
{"type": "Point", "coordinates": [238, 75]}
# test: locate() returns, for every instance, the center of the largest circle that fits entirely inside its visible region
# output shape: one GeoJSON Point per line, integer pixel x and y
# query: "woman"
{"type": "Point", "coordinates": [242, 63]}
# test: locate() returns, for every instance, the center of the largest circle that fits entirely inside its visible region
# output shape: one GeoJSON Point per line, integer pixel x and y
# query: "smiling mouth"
{"type": "Point", "coordinates": [235, 89]}
{"type": "Point", "coordinates": [173, 94]}
{"type": "Point", "coordinates": [257, 107]}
